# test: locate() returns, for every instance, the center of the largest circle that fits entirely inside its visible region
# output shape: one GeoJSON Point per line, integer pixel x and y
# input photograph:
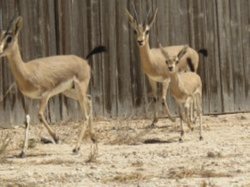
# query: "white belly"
{"type": "Point", "coordinates": [157, 78]}
{"type": "Point", "coordinates": [38, 94]}
{"type": "Point", "coordinates": [33, 95]}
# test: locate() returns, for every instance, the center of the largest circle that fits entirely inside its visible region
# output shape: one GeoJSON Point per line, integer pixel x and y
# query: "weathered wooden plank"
{"type": "Point", "coordinates": [109, 30]}
{"type": "Point", "coordinates": [236, 56]}
{"type": "Point", "coordinates": [123, 67]}
{"type": "Point", "coordinates": [118, 85]}
{"type": "Point", "coordinates": [94, 39]}
{"type": "Point", "coordinates": [224, 55]}
{"type": "Point", "coordinates": [211, 63]}
{"type": "Point", "coordinates": [245, 29]}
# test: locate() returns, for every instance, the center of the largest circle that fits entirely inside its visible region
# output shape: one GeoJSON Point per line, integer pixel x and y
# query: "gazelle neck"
{"type": "Point", "coordinates": [145, 57]}
{"type": "Point", "coordinates": [16, 63]}
{"type": "Point", "coordinates": [175, 80]}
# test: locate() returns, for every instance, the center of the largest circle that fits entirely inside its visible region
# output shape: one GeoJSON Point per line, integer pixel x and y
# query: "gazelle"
{"type": "Point", "coordinates": [186, 88]}
{"type": "Point", "coordinates": [46, 77]}
{"type": "Point", "coordinates": [153, 62]}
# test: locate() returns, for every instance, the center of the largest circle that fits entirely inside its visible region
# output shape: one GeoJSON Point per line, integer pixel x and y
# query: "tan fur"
{"type": "Point", "coordinates": [186, 88]}
{"type": "Point", "coordinates": [44, 74]}
{"type": "Point", "coordinates": [45, 77]}
{"type": "Point", "coordinates": [153, 62]}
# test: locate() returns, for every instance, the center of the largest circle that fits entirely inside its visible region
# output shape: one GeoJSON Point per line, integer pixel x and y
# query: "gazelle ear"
{"type": "Point", "coordinates": [164, 52]}
{"type": "Point", "coordinates": [182, 52]}
{"type": "Point", "coordinates": [131, 19]}
{"type": "Point", "coordinates": [16, 25]}
{"type": "Point", "coordinates": [152, 19]}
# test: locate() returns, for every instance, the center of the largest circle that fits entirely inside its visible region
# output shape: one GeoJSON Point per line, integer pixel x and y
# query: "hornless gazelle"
{"type": "Point", "coordinates": [186, 88]}
{"type": "Point", "coordinates": [153, 62]}
{"type": "Point", "coordinates": [46, 77]}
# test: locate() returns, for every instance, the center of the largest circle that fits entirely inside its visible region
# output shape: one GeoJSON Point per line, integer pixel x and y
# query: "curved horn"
{"type": "Point", "coordinates": [132, 20]}
{"type": "Point", "coordinates": [152, 19]}
{"type": "Point", "coordinates": [135, 12]}
{"type": "Point", "coordinates": [146, 18]}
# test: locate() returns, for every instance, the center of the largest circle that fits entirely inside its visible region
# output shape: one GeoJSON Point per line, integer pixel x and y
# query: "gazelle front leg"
{"type": "Point", "coordinates": [182, 117]}
{"type": "Point", "coordinates": [27, 125]}
{"type": "Point", "coordinates": [165, 86]}
{"type": "Point", "coordinates": [43, 104]}
{"type": "Point", "coordinates": [153, 85]}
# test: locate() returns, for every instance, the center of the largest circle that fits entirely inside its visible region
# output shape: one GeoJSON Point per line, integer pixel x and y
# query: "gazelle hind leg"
{"type": "Point", "coordinates": [92, 134]}
{"type": "Point", "coordinates": [86, 107]}
{"type": "Point", "coordinates": [188, 118]}
{"type": "Point", "coordinates": [43, 104]}
{"type": "Point", "coordinates": [199, 113]}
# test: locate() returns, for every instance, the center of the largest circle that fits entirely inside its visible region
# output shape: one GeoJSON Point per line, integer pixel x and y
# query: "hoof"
{"type": "Point", "coordinates": [56, 139]}
{"type": "Point", "coordinates": [46, 140]}
{"type": "Point", "coordinates": [152, 125]}
{"type": "Point", "coordinates": [76, 150]}
{"type": "Point", "coordinates": [172, 119]}
{"type": "Point", "coordinates": [93, 139]}
{"type": "Point", "coordinates": [182, 132]}
{"type": "Point", "coordinates": [201, 138]}
{"type": "Point", "coordinates": [192, 128]}
{"type": "Point", "coordinates": [21, 155]}
{"type": "Point", "coordinates": [180, 140]}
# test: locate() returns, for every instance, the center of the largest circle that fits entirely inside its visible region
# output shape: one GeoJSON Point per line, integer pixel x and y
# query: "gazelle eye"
{"type": "Point", "coordinates": [135, 32]}
{"type": "Point", "coordinates": [147, 32]}
{"type": "Point", "coordinates": [9, 39]}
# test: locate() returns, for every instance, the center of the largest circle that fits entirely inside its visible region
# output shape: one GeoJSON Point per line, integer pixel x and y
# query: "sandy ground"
{"type": "Point", "coordinates": [129, 154]}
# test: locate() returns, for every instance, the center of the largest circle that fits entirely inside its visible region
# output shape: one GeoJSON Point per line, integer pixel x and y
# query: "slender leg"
{"type": "Point", "coordinates": [92, 134]}
{"type": "Point", "coordinates": [199, 107]}
{"type": "Point", "coordinates": [26, 136]}
{"type": "Point", "coordinates": [181, 112]}
{"type": "Point", "coordinates": [194, 110]}
{"type": "Point", "coordinates": [188, 116]}
{"type": "Point", "coordinates": [165, 86]}
{"type": "Point", "coordinates": [191, 110]}
{"type": "Point", "coordinates": [27, 125]}
{"type": "Point", "coordinates": [43, 104]}
{"type": "Point", "coordinates": [86, 106]}
{"type": "Point", "coordinates": [153, 85]}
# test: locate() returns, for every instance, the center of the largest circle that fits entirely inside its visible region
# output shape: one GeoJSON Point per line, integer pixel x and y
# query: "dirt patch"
{"type": "Point", "coordinates": [129, 153]}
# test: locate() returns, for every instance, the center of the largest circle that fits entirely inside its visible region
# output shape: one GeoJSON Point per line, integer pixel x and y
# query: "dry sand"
{"type": "Point", "coordinates": [129, 154]}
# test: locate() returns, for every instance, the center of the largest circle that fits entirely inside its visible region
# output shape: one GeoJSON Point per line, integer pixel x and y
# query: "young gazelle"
{"type": "Point", "coordinates": [46, 77]}
{"type": "Point", "coordinates": [153, 62]}
{"type": "Point", "coordinates": [186, 88]}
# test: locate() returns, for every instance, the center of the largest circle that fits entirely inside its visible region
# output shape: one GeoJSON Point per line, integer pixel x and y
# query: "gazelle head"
{"type": "Point", "coordinates": [10, 36]}
{"type": "Point", "coordinates": [141, 29]}
{"type": "Point", "coordinates": [172, 61]}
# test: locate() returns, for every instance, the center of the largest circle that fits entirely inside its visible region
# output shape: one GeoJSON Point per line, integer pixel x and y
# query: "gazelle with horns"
{"type": "Point", "coordinates": [153, 62]}
{"type": "Point", "coordinates": [186, 88]}
{"type": "Point", "coordinates": [46, 77]}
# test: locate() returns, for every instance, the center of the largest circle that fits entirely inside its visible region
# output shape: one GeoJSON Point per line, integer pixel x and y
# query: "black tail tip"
{"type": "Point", "coordinates": [101, 48]}
{"type": "Point", "coordinates": [203, 52]}
{"type": "Point", "coordinates": [98, 49]}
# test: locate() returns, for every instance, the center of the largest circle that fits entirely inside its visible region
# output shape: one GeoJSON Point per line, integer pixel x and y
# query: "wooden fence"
{"type": "Point", "coordinates": [118, 86]}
